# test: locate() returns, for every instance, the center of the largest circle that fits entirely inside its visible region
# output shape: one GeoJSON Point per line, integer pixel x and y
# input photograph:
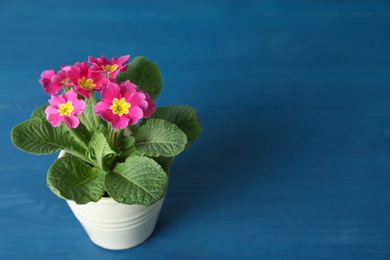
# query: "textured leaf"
{"type": "Point", "coordinates": [165, 162]}
{"type": "Point", "coordinates": [125, 147]}
{"type": "Point", "coordinates": [99, 148]}
{"type": "Point", "coordinates": [139, 180]}
{"type": "Point", "coordinates": [92, 121]}
{"type": "Point", "coordinates": [81, 133]}
{"type": "Point", "coordinates": [126, 143]}
{"type": "Point", "coordinates": [145, 74]}
{"type": "Point", "coordinates": [37, 136]}
{"type": "Point", "coordinates": [185, 117]}
{"type": "Point", "coordinates": [71, 178]}
{"type": "Point", "coordinates": [158, 137]}
{"type": "Point", "coordinates": [39, 112]}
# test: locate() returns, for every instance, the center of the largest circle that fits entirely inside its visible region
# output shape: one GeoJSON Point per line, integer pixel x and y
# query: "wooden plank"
{"type": "Point", "coordinates": [293, 96]}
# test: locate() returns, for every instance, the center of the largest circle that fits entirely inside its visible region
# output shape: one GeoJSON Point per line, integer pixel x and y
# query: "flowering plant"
{"type": "Point", "coordinates": [103, 116]}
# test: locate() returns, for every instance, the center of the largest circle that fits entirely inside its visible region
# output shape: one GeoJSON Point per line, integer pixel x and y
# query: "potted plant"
{"type": "Point", "coordinates": [115, 146]}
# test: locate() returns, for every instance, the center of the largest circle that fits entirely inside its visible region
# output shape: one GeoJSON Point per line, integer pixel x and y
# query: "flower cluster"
{"type": "Point", "coordinates": [121, 104]}
{"type": "Point", "coordinates": [103, 116]}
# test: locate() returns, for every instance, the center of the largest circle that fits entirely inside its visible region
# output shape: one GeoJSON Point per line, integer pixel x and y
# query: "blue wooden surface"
{"type": "Point", "coordinates": [294, 98]}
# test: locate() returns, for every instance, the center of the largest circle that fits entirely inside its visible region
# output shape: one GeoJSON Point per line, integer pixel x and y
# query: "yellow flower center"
{"type": "Point", "coordinates": [86, 83]}
{"type": "Point", "coordinates": [120, 106]}
{"type": "Point", "coordinates": [66, 109]}
{"type": "Point", "coordinates": [109, 68]}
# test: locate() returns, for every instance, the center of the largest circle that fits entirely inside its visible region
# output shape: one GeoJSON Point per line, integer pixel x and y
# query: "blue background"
{"type": "Point", "coordinates": [294, 100]}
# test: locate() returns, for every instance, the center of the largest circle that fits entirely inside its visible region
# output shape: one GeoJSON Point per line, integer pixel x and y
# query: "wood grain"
{"type": "Point", "coordinates": [293, 96]}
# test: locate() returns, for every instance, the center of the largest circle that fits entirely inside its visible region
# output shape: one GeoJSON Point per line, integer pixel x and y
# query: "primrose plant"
{"type": "Point", "coordinates": [102, 116]}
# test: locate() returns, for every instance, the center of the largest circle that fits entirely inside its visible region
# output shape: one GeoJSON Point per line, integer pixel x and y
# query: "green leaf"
{"type": "Point", "coordinates": [71, 178]}
{"type": "Point", "coordinates": [81, 133]}
{"type": "Point", "coordinates": [145, 74]}
{"type": "Point", "coordinates": [92, 121]}
{"type": "Point", "coordinates": [126, 143]}
{"type": "Point", "coordinates": [158, 137]}
{"type": "Point", "coordinates": [125, 147]}
{"type": "Point", "coordinates": [139, 180]}
{"type": "Point", "coordinates": [185, 117]}
{"type": "Point", "coordinates": [165, 162]}
{"type": "Point", "coordinates": [39, 112]}
{"type": "Point", "coordinates": [99, 149]}
{"type": "Point", "coordinates": [37, 136]}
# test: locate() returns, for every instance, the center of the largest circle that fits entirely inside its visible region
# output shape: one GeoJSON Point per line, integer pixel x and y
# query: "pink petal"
{"type": "Point", "coordinates": [103, 110]}
{"type": "Point", "coordinates": [143, 105]}
{"type": "Point", "coordinates": [110, 92]}
{"type": "Point", "coordinates": [74, 74]}
{"type": "Point", "coordinates": [96, 76]}
{"type": "Point", "coordinates": [48, 82]}
{"type": "Point", "coordinates": [92, 60]}
{"type": "Point", "coordinates": [84, 92]}
{"type": "Point", "coordinates": [127, 84]}
{"type": "Point", "coordinates": [120, 60]}
{"type": "Point", "coordinates": [79, 107]}
{"type": "Point", "coordinates": [72, 121]}
{"type": "Point", "coordinates": [124, 68]}
{"type": "Point", "coordinates": [54, 119]}
{"type": "Point", "coordinates": [137, 98]}
{"type": "Point", "coordinates": [51, 110]}
{"type": "Point", "coordinates": [65, 67]}
{"type": "Point", "coordinates": [48, 74]}
{"type": "Point", "coordinates": [135, 113]}
{"type": "Point", "coordinates": [70, 95]}
{"type": "Point", "coordinates": [148, 112]}
{"type": "Point", "coordinates": [57, 80]}
{"type": "Point", "coordinates": [100, 107]}
{"type": "Point", "coordinates": [121, 123]}
{"type": "Point", "coordinates": [56, 101]}
{"type": "Point", "coordinates": [49, 87]}
{"type": "Point", "coordinates": [84, 69]}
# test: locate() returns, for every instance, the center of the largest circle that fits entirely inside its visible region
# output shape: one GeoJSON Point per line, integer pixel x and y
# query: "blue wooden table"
{"type": "Point", "coordinates": [294, 99]}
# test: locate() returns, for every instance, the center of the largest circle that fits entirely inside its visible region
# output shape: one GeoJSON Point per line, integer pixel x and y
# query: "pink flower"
{"type": "Point", "coordinates": [85, 79]}
{"type": "Point", "coordinates": [111, 67]}
{"type": "Point", "coordinates": [53, 82]}
{"type": "Point", "coordinates": [121, 105]}
{"type": "Point", "coordinates": [148, 112]}
{"type": "Point", "coordinates": [148, 108]}
{"type": "Point", "coordinates": [64, 108]}
{"type": "Point", "coordinates": [128, 85]}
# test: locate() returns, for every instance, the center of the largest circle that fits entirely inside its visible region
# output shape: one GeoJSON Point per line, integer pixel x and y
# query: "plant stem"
{"type": "Point", "coordinates": [83, 120]}
{"type": "Point", "coordinates": [113, 137]}
{"type": "Point", "coordinates": [96, 119]}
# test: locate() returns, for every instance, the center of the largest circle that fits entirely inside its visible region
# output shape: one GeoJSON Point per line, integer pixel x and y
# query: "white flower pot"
{"type": "Point", "coordinates": [116, 226]}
